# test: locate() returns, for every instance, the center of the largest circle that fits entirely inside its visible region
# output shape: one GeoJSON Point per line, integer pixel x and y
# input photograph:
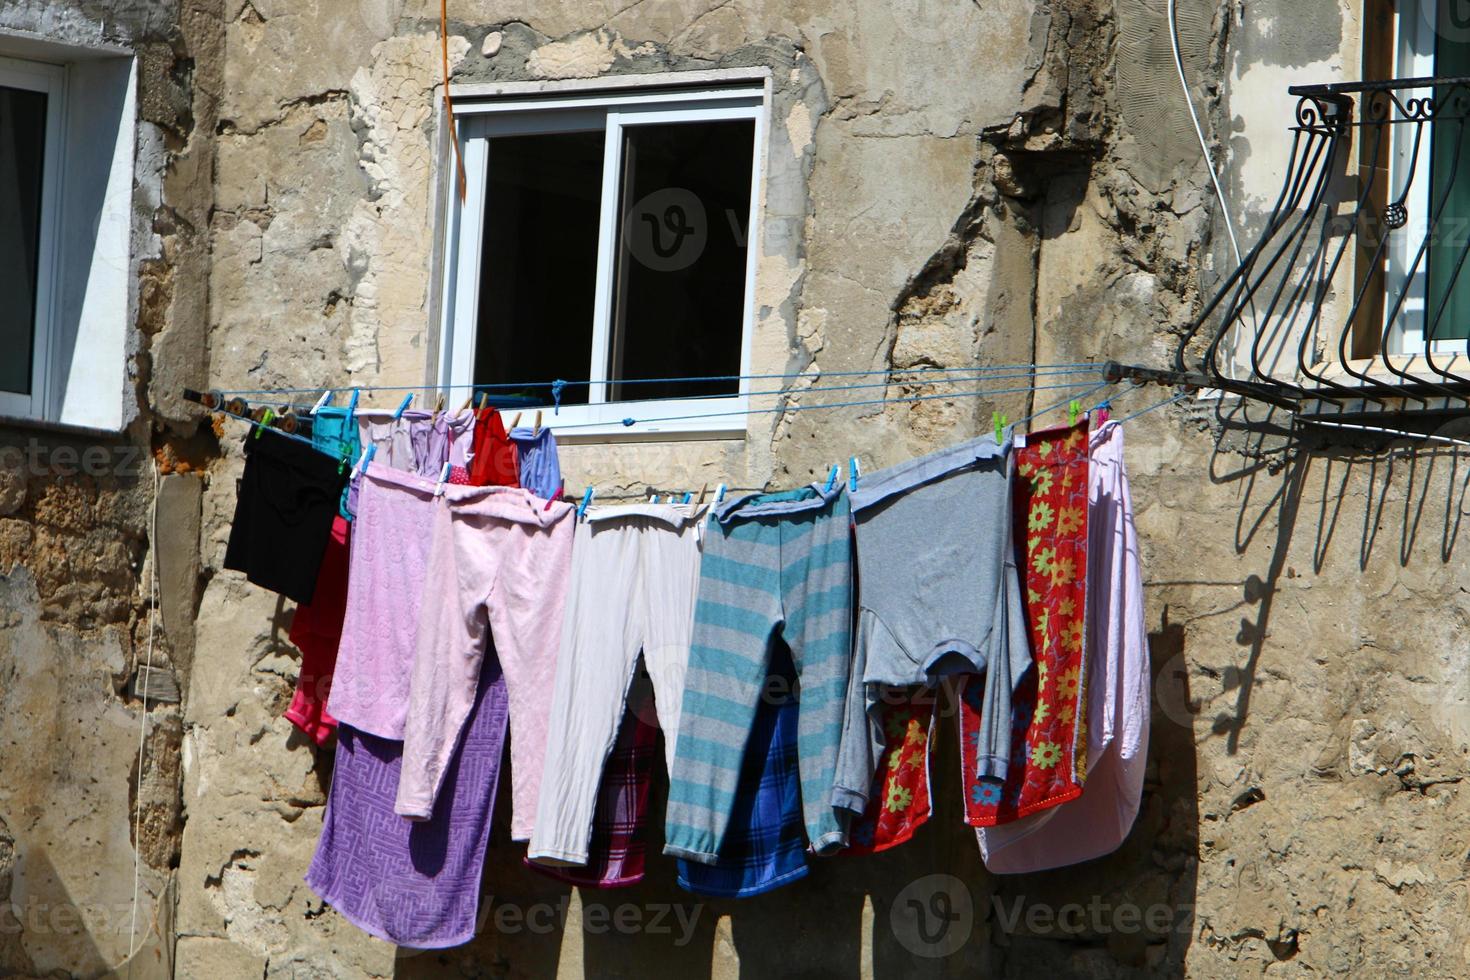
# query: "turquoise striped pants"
{"type": "Point", "coordinates": [774, 565]}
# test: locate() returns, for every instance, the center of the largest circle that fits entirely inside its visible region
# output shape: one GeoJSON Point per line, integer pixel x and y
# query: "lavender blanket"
{"type": "Point", "coordinates": [413, 884]}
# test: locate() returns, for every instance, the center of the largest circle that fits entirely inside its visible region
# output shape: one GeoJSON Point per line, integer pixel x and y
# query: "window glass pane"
{"type": "Point", "coordinates": [538, 273]}
{"type": "Point", "coordinates": [1449, 268]}
{"type": "Point", "coordinates": [679, 295]}
{"type": "Point", "coordinates": [22, 154]}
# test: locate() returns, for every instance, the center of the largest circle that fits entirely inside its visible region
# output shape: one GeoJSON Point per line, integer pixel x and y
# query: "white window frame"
{"type": "Point", "coordinates": [1413, 45]}
{"type": "Point", "coordinates": [478, 121]}
{"type": "Point", "coordinates": [49, 79]}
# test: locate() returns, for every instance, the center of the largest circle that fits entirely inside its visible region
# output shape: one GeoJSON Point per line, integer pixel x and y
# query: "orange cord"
{"type": "Point", "coordinates": [448, 102]}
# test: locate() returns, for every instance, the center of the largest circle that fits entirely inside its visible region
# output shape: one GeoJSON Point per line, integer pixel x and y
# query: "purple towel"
{"type": "Point", "coordinates": [413, 884]}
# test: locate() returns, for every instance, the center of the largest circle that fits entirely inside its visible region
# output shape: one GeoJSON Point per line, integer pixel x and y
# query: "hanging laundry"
{"type": "Point", "coordinates": [536, 456]}
{"type": "Point", "coordinates": [1118, 698]}
{"type": "Point", "coordinates": [774, 564]}
{"type": "Point", "coordinates": [288, 498]}
{"type": "Point", "coordinates": [764, 846]}
{"type": "Point", "coordinates": [392, 437]}
{"type": "Point", "coordinates": [899, 803]}
{"type": "Point", "coordinates": [316, 630]}
{"type": "Point", "coordinates": [938, 595]}
{"type": "Point", "coordinates": [385, 587]}
{"type": "Point", "coordinates": [334, 432]}
{"type": "Point", "coordinates": [413, 884]}
{"type": "Point", "coordinates": [617, 848]}
{"type": "Point", "coordinates": [493, 457]}
{"type": "Point", "coordinates": [634, 573]}
{"type": "Point", "coordinates": [443, 438]}
{"type": "Point", "coordinates": [1047, 718]}
{"type": "Point", "coordinates": [499, 565]}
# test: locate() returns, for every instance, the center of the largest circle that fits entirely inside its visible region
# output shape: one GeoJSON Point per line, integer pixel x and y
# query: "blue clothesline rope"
{"type": "Point", "coordinates": [559, 384]}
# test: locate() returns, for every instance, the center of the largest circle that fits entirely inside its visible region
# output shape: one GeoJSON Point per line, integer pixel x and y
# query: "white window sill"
{"type": "Point", "coordinates": [697, 418]}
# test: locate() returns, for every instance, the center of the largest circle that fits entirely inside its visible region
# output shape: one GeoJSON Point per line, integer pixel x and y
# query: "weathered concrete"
{"type": "Point", "coordinates": [947, 184]}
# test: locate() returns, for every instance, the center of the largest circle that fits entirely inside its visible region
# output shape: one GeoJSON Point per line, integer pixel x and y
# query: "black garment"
{"type": "Point", "coordinates": [283, 513]}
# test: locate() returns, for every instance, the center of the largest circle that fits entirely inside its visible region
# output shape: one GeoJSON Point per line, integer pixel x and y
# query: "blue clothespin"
{"type": "Point", "coordinates": [719, 494]}
{"type": "Point", "coordinates": [407, 401]}
{"type": "Point", "coordinates": [999, 421]}
{"type": "Point", "coordinates": [688, 496]}
{"type": "Point", "coordinates": [352, 406]}
{"type": "Point", "coordinates": [853, 471]}
{"type": "Point", "coordinates": [832, 479]}
{"type": "Point", "coordinates": [366, 458]}
{"type": "Point", "coordinates": [586, 502]}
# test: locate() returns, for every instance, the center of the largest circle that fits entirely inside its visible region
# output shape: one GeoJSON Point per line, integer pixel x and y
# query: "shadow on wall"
{"type": "Point", "coordinates": [927, 908]}
{"type": "Point", "coordinates": [1402, 501]}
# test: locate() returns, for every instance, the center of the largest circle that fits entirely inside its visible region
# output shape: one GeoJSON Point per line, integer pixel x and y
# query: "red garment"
{"type": "Point", "coordinates": [493, 462]}
{"type": "Point", "coordinates": [899, 803]}
{"type": "Point", "coordinates": [1048, 727]}
{"type": "Point", "coordinates": [316, 631]}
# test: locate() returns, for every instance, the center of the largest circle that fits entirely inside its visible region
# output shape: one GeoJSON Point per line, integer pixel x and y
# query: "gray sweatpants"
{"type": "Point", "coordinates": [957, 610]}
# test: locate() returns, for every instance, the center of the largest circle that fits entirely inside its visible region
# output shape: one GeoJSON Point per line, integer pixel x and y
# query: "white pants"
{"type": "Point", "coordinates": [635, 576]}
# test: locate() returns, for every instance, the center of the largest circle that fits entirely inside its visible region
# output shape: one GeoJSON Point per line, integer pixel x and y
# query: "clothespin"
{"type": "Point", "coordinates": [363, 460]}
{"type": "Point", "coordinates": [832, 479]}
{"type": "Point", "coordinates": [688, 496]}
{"type": "Point", "coordinates": [264, 420]}
{"type": "Point", "coordinates": [703, 492]}
{"type": "Point", "coordinates": [1102, 410]}
{"type": "Point", "coordinates": [407, 401]}
{"type": "Point", "coordinates": [443, 479]}
{"type": "Point", "coordinates": [586, 502]}
{"type": "Point", "coordinates": [326, 397]}
{"type": "Point", "coordinates": [653, 499]}
{"type": "Point", "coordinates": [853, 472]}
{"type": "Point", "coordinates": [515, 421]}
{"type": "Point", "coordinates": [352, 406]}
{"type": "Point", "coordinates": [999, 421]}
{"type": "Point", "coordinates": [719, 494]}
{"type": "Point", "coordinates": [1074, 408]}
{"type": "Point", "coordinates": [537, 430]}
{"type": "Point", "coordinates": [468, 403]}
{"type": "Point", "coordinates": [484, 399]}
{"type": "Point", "coordinates": [438, 405]}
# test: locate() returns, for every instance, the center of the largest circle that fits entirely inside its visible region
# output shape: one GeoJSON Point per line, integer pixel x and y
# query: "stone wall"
{"type": "Point", "coordinates": [77, 558]}
{"type": "Point", "coordinates": [948, 183]}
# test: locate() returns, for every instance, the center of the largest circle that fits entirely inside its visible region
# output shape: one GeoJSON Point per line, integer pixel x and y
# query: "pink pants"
{"type": "Point", "coordinates": [498, 568]}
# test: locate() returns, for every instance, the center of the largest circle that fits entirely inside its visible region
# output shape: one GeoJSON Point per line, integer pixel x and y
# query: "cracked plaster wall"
{"type": "Point", "coordinates": [948, 183]}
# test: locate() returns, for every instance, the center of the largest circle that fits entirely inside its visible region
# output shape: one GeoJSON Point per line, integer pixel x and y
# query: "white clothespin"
{"type": "Point", "coordinates": [326, 397]}
{"type": "Point", "coordinates": [443, 479]}
{"type": "Point", "coordinates": [363, 460]}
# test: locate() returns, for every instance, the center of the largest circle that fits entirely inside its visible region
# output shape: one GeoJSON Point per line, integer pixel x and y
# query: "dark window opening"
{"type": "Point", "coordinates": [22, 158]}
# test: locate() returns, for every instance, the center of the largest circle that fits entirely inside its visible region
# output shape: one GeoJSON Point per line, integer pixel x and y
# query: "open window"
{"type": "Point", "coordinates": [606, 239]}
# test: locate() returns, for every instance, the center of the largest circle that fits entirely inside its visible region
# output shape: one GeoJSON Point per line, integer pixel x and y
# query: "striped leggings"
{"type": "Point", "coordinates": [774, 565]}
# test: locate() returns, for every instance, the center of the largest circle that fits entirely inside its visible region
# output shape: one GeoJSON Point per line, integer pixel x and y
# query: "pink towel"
{"type": "Point", "coordinates": [500, 563]}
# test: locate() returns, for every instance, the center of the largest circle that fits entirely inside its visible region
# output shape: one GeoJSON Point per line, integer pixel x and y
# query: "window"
{"type": "Point", "coordinates": [606, 237]}
{"type": "Point", "coordinates": [30, 147]}
{"type": "Point", "coordinates": [1424, 168]}
{"type": "Point", "coordinates": [67, 124]}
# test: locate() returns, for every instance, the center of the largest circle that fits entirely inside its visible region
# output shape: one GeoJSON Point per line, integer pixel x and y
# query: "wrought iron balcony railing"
{"type": "Point", "coordinates": [1357, 289]}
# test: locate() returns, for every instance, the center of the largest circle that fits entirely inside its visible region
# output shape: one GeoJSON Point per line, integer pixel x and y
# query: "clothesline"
{"type": "Point", "coordinates": [559, 383]}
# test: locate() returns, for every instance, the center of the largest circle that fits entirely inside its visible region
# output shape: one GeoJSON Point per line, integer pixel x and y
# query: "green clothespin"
{"type": "Point", "coordinates": [265, 420]}
{"type": "Point", "coordinates": [1073, 410]}
{"type": "Point", "coordinates": [999, 421]}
